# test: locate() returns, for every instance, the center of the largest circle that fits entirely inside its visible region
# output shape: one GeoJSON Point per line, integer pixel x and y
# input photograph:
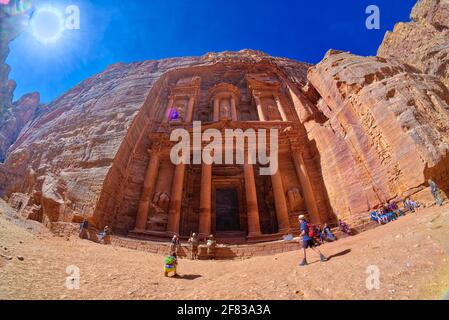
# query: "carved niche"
{"type": "Point", "coordinates": [295, 200]}
{"type": "Point", "coordinates": [181, 93]}
{"type": "Point", "coordinates": [225, 99]}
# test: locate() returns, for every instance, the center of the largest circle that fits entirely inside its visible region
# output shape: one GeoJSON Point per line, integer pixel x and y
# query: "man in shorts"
{"type": "Point", "coordinates": [307, 240]}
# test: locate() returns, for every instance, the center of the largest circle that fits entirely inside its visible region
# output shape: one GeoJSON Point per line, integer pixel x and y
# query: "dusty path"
{"type": "Point", "coordinates": [411, 254]}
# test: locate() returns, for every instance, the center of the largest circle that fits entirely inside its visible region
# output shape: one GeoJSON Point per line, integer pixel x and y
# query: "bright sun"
{"type": "Point", "coordinates": [47, 25]}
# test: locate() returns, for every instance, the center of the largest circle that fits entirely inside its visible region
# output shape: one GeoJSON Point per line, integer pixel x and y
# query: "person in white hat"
{"type": "Point", "coordinates": [307, 240]}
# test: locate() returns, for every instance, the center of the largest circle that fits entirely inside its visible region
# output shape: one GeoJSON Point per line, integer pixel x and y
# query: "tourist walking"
{"type": "Point", "coordinates": [435, 192]}
{"type": "Point", "coordinates": [194, 242]}
{"type": "Point", "coordinates": [307, 240]}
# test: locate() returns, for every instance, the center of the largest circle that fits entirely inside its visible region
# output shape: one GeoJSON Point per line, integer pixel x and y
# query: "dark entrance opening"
{"type": "Point", "coordinates": [227, 214]}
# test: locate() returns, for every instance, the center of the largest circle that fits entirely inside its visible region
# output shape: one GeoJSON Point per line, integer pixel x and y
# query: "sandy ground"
{"type": "Point", "coordinates": [411, 255]}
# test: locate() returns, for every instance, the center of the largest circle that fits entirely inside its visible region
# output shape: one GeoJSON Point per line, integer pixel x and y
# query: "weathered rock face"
{"type": "Point", "coordinates": [13, 116]}
{"type": "Point", "coordinates": [424, 42]}
{"type": "Point", "coordinates": [383, 131]}
{"type": "Point", "coordinates": [22, 112]}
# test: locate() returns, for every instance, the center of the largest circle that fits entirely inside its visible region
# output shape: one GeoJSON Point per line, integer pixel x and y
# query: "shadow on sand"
{"type": "Point", "coordinates": [342, 253]}
{"type": "Point", "coordinates": [187, 276]}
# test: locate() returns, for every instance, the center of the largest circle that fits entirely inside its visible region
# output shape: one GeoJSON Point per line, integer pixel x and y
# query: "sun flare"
{"type": "Point", "coordinates": [47, 25]}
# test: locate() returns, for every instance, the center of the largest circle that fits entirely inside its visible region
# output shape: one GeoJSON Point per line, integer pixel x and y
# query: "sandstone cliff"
{"type": "Point", "coordinates": [424, 42]}
{"type": "Point", "coordinates": [383, 130]}
{"type": "Point", "coordinates": [13, 116]}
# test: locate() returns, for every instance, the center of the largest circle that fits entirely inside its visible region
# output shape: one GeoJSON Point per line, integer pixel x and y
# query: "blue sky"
{"type": "Point", "coordinates": [135, 30]}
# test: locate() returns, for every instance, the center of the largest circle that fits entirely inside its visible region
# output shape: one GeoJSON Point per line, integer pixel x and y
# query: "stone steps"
{"type": "Point", "coordinates": [222, 251]}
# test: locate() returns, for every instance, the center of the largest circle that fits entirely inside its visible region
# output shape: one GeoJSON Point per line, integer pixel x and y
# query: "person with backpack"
{"type": "Point", "coordinates": [307, 240]}
{"type": "Point", "coordinates": [316, 234]}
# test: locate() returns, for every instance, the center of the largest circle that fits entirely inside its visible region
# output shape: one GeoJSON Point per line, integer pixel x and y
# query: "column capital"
{"type": "Point", "coordinates": [156, 149]}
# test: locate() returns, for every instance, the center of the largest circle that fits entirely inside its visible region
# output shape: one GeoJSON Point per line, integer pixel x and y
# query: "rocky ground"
{"type": "Point", "coordinates": [411, 254]}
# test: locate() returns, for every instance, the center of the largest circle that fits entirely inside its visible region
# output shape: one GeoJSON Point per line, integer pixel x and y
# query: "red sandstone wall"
{"type": "Point", "coordinates": [386, 125]}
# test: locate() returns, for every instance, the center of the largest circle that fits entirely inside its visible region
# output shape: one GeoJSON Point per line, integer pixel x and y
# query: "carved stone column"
{"type": "Point", "coordinates": [259, 108]}
{"type": "Point", "coordinates": [171, 101]}
{"type": "Point", "coordinates": [205, 201]}
{"type": "Point", "coordinates": [189, 114]}
{"type": "Point", "coordinates": [216, 109]}
{"type": "Point", "coordinates": [148, 189]}
{"type": "Point", "coordinates": [306, 185]}
{"type": "Point", "coordinates": [233, 109]}
{"type": "Point", "coordinates": [251, 201]}
{"type": "Point", "coordinates": [280, 108]}
{"type": "Point", "coordinates": [280, 202]}
{"type": "Point", "coordinates": [174, 211]}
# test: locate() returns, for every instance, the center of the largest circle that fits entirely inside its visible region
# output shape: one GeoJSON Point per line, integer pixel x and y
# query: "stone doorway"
{"type": "Point", "coordinates": [227, 213]}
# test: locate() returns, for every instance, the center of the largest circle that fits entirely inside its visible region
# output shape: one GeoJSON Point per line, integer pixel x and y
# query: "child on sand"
{"type": "Point", "coordinates": [171, 263]}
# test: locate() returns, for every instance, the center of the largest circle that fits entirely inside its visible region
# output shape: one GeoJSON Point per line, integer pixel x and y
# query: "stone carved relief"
{"type": "Point", "coordinates": [161, 201]}
{"type": "Point", "coordinates": [225, 109]}
{"type": "Point", "coordinates": [295, 199]}
{"type": "Point", "coordinates": [158, 217]}
{"type": "Point", "coordinates": [271, 109]}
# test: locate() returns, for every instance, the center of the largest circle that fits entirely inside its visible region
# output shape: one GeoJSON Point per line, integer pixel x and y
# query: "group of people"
{"type": "Point", "coordinates": [102, 237]}
{"type": "Point", "coordinates": [311, 235]}
{"type": "Point", "coordinates": [387, 213]}
{"type": "Point", "coordinates": [391, 212]}
{"type": "Point", "coordinates": [171, 261]}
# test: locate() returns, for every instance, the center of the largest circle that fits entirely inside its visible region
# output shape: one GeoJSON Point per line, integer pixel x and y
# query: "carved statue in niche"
{"type": "Point", "coordinates": [158, 216]}
{"type": "Point", "coordinates": [161, 201]}
{"type": "Point", "coordinates": [225, 109]}
{"type": "Point", "coordinates": [271, 110]}
{"type": "Point", "coordinates": [295, 199]}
